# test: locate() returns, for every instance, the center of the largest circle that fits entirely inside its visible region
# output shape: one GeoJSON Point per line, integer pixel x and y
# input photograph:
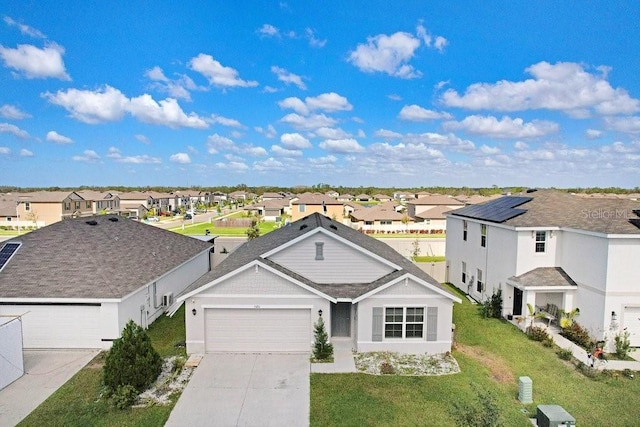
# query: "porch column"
{"type": "Point", "coordinates": [528, 297]}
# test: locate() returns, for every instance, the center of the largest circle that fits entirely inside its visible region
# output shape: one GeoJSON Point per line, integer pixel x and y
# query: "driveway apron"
{"type": "Point", "coordinates": [246, 390]}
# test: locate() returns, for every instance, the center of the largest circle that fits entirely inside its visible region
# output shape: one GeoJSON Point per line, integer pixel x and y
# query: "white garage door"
{"type": "Point", "coordinates": [257, 330]}
{"type": "Point", "coordinates": [60, 326]}
{"type": "Point", "coordinates": [632, 323]}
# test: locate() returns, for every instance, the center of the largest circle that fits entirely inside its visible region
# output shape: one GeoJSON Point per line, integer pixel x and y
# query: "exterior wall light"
{"type": "Point", "coordinates": [320, 313]}
{"type": "Point", "coordinates": [194, 311]}
{"type": "Point", "coordinates": [614, 316]}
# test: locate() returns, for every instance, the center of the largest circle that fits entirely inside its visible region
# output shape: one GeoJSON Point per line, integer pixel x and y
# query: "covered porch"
{"type": "Point", "coordinates": [547, 289]}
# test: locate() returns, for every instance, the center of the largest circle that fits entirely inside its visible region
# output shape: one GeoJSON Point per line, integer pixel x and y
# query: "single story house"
{"type": "Point", "coordinates": [76, 283]}
{"type": "Point", "coordinates": [268, 295]}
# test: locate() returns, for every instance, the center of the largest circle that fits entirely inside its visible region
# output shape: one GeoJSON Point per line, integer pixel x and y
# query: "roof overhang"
{"type": "Point", "coordinates": [406, 277]}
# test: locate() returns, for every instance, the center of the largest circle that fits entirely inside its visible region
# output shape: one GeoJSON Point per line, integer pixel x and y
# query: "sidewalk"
{"type": "Point", "coordinates": [342, 359]}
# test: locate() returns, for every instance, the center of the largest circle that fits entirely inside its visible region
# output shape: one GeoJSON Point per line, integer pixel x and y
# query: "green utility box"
{"type": "Point", "coordinates": [554, 416]}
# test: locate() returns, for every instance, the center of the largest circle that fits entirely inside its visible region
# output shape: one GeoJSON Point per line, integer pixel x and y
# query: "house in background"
{"type": "Point", "coordinates": [101, 202]}
{"type": "Point", "coordinates": [308, 203]}
{"type": "Point", "coordinates": [382, 218]}
{"type": "Point", "coordinates": [76, 283]}
{"type": "Point", "coordinates": [42, 208]}
{"type": "Point", "coordinates": [549, 247]}
{"type": "Point", "coordinates": [268, 295]}
{"type": "Point", "coordinates": [271, 210]}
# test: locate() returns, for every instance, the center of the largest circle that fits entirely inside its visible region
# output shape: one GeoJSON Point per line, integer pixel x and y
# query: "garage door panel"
{"type": "Point", "coordinates": [632, 323]}
{"type": "Point", "coordinates": [257, 330]}
{"type": "Point", "coordinates": [63, 326]}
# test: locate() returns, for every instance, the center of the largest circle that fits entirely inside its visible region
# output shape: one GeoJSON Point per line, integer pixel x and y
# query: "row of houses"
{"type": "Point", "coordinates": [74, 284]}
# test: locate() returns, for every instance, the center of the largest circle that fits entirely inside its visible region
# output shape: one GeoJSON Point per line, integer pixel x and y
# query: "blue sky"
{"type": "Point", "coordinates": [374, 93]}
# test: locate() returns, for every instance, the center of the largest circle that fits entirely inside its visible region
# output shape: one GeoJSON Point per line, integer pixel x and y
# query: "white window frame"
{"type": "Point", "coordinates": [479, 282]}
{"type": "Point", "coordinates": [464, 272]}
{"type": "Point", "coordinates": [404, 322]}
{"type": "Point", "coordinates": [465, 229]}
{"type": "Point", "coordinates": [483, 235]}
{"type": "Point", "coordinates": [541, 242]}
{"type": "Point", "coordinates": [302, 207]}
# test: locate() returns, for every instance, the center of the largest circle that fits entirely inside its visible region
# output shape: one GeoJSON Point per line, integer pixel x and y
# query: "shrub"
{"type": "Point", "coordinates": [387, 368]}
{"type": "Point", "coordinates": [322, 348]}
{"type": "Point", "coordinates": [484, 412]}
{"type": "Point", "coordinates": [578, 334]}
{"type": "Point", "coordinates": [123, 397]}
{"type": "Point", "coordinates": [492, 307]}
{"type": "Point", "coordinates": [132, 361]}
{"type": "Point", "coordinates": [537, 333]}
{"type": "Point", "coordinates": [623, 344]}
{"type": "Point", "coordinates": [564, 354]}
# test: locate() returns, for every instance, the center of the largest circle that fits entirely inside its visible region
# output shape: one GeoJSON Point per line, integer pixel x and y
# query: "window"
{"type": "Point", "coordinates": [385, 222]}
{"type": "Point", "coordinates": [464, 229]}
{"type": "Point", "coordinates": [368, 223]}
{"type": "Point", "coordinates": [464, 272]}
{"type": "Point", "coordinates": [77, 205]}
{"type": "Point", "coordinates": [302, 207]}
{"type": "Point", "coordinates": [67, 206]}
{"type": "Point", "coordinates": [88, 204]}
{"type": "Point", "coordinates": [404, 322]}
{"type": "Point", "coordinates": [27, 206]}
{"type": "Point", "coordinates": [319, 251]}
{"type": "Point", "coordinates": [479, 282]}
{"type": "Point", "coordinates": [541, 241]}
{"type": "Point", "coordinates": [483, 235]}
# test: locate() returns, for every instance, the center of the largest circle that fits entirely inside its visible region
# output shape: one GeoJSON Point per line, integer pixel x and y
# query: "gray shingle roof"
{"type": "Point", "coordinates": [544, 276]}
{"type": "Point", "coordinates": [254, 249]}
{"type": "Point", "coordinates": [72, 259]}
{"type": "Point", "coordinates": [551, 208]}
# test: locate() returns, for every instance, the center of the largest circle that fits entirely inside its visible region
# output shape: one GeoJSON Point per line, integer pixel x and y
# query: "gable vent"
{"type": "Point", "coordinates": [113, 219]}
{"type": "Point", "coordinates": [333, 226]}
{"type": "Point", "coordinates": [303, 226]}
{"type": "Point", "coordinates": [92, 222]}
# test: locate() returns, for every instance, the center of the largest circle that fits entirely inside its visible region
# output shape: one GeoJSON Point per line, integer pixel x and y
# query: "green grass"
{"type": "Point", "coordinates": [428, 258]}
{"type": "Point", "coordinates": [405, 235]}
{"type": "Point", "coordinates": [199, 229]}
{"type": "Point", "coordinates": [78, 402]}
{"type": "Point", "coordinates": [506, 354]}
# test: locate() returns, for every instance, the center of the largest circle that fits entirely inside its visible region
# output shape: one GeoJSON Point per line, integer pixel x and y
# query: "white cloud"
{"type": "Point", "coordinates": [268, 165]}
{"type": "Point", "coordinates": [394, 97]}
{"type": "Point", "coordinates": [217, 74]}
{"type": "Point", "coordinates": [269, 30]}
{"type": "Point", "coordinates": [269, 132]}
{"type": "Point", "coordinates": [520, 145]}
{"type": "Point", "coordinates": [310, 34]}
{"type": "Point", "coordinates": [180, 158]}
{"type": "Point", "coordinates": [141, 159]}
{"type": "Point", "coordinates": [106, 104]}
{"type": "Point", "coordinates": [88, 156]}
{"type": "Point", "coordinates": [387, 54]}
{"type": "Point", "coordinates": [485, 149]}
{"type": "Point", "coordinates": [311, 122]}
{"type": "Point", "coordinates": [225, 121]}
{"type": "Point", "coordinates": [296, 104]}
{"type": "Point", "coordinates": [142, 138]}
{"type": "Point", "coordinates": [13, 130]}
{"type": "Point", "coordinates": [176, 88]}
{"type": "Point", "coordinates": [24, 29]}
{"type": "Point", "coordinates": [326, 160]}
{"type": "Point", "coordinates": [217, 143]}
{"type": "Point", "coordinates": [288, 78]}
{"type": "Point", "coordinates": [5, 150]}
{"type": "Point", "coordinates": [269, 89]}
{"type": "Point", "coordinates": [294, 141]}
{"type": "Point", "coordinates": [328, 102]}
{"type": "Point", "coordinates": [114, 153]}
{"type": "Point", "coordinates": [232, 166]}
{"type": "Point", "coordinates": [504, 128]}
{"type": "Point", "coordinates": [535, 155]}
{"type": "Point", "coordinates": [341, 146]}
{"type": "Point", "coordinates": [54, 136]}
{"type": "Point", "coordinates": [35, 63]}
{"type": "Point", "coordinates": [438, 43]}
{"type": "Point", "coordinates": [156, 74]}
{"type": "Point", "coordinates": [593, 133]}
{"type": "Point", "coordinates": [404, 152]}
{"type": "Point", "coordinates": [331, 133]}
{"type": "Point", "coordinates": [563, 86]}
{"type": "Point", "coordinates": [629, 124]}
{"type": "Point", "coordinates": [252, 150]}
{"type": "Point", "coordinates": [166, 112]}
{"type": "Point", "coordinates": [13, 113]}
{"type": "Point", "coordinates": [26, 153]}
{"type": "Point", "coordinates": [416, 113]}
{"type": "Point", "coordinates": [387, 134]}
{"type": "Point", "coordinates": [284, 152]}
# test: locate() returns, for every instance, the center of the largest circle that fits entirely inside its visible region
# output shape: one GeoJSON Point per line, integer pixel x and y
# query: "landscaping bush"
{"type": "Point", "coordinates": [579, 335]}
{"type": "Point", "coordinates": [484, 412]}
{"type": "Point", "coordinates": [132, 361]}
{"type": "Point", "coordinates": [538, 333]}
{"type": "Point", "coordinates": [564, 354]}
{"type": "Point", "coordinates": [492, 307]}
{"type": "Point", "coordinates": [322, 348]}
{"type": "Point", "coordinates": [387, 368]}
{"type": "Point", "coordinates": [623, 344]}
{"type": "Point", "coordinates": [123, 397]}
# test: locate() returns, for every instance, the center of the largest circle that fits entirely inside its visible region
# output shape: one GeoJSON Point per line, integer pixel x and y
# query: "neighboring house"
{"type": "Point", "coordinates": [267, 296]}
{"type": "Point", "coordinates": [548, 247]}
{"type": "Point", "coordinates": [271, 210]}
{"type": "Point", "coordinates": [101, 202]}
{"type": "Point", "coordinates": [308, 203]}
{"type": "Point", "coordinates": [135, 203]}
{"type": "Point", "coordinates": [42, 208]}
{"type": "Point", "coordinates": [272, 196]}
{"type": "Point", "coordinates": [383, 218]}
{"type": "Point", "coordinates": [76, 283]}
{"type": "Point", "coordinates": [433, 220]}
{"type": "Point", "coordinates": [162, 202]}
{"type": "Point", "coordinates": [417, 207]}
{"type": "Point", "coordinates": [363, 198]}
{"type": "Point", "coordinates": [382, 198]}
{"type": "Point", "coordinates": [344, 197]}
{"type": "Point", "coordinates": [8, 212]}
{"type": "Point", "coordinates": [332, 193]}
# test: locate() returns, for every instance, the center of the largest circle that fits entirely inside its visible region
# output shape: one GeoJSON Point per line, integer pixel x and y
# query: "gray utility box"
{"type": "Point", "coordinates": [525, 390]}
{"type": "Point", "coordinates": [553, 416]}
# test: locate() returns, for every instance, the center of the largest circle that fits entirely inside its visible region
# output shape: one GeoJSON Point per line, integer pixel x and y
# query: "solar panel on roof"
{"type": "Point", "coordinates": [7, 252]}
{"type": "Point", "coordinates": [498, 210]}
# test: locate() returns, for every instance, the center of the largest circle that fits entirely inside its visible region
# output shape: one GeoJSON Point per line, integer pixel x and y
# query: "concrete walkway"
{"type": "Point", "coordinates": [342, 359]}
{"type": "Point", "coordinates": [45, 371]}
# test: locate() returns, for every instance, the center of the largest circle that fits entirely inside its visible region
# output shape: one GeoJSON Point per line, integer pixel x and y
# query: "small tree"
{"type": "Point", "coordinates": [623, 344]}
{"type": "Point", "coordinates": [253, 232]}
{"type": "Point", "coordinates": [322, 348]}
{"type": "Point", "coordinates": [492, 307]}
{"type": "Point", "coordinates": [131, 362]}
{"type": "Point", "coordinates": [415, 249]}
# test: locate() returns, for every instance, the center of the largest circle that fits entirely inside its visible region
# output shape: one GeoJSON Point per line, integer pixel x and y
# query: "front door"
{"type": "Point", "coordinates": [341, 319]}
{"type": "Point", "coordinates": [517, 302]}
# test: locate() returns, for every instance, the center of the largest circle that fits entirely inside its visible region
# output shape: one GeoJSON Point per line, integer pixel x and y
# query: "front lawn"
{"type": "Point", "coordinates": [78, 402]}
{"type": "Point", "coordinates": [200, 229]}
{"type": "Point", "coordinates": [492, 355]}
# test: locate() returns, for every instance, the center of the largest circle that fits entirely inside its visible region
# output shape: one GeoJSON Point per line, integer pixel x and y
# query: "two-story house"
{"type": "Point", "coordinates": [42, 208]}
{"type": "Point", "coordinates": [549, 247]}
{"type": "Point", "coordinates": [308, 203]}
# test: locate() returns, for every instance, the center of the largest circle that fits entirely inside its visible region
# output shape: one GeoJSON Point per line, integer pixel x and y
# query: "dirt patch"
{"type": "Point", "coordinates": [495, 364]}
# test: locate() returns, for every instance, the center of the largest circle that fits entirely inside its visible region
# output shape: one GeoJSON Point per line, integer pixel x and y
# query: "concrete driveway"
{"type": "Point", "coordinates": [246, 390]}
{"type": "Point", "coordinates": [45, 371]}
